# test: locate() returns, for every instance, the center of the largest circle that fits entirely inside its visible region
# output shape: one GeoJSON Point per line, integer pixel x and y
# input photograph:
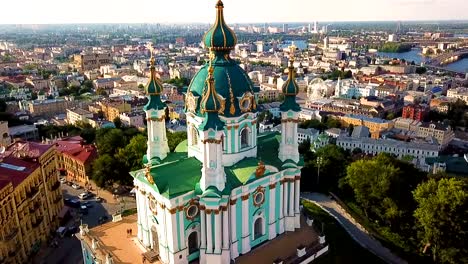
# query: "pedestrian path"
{"type": "Point", "coordinates": [357, 232]}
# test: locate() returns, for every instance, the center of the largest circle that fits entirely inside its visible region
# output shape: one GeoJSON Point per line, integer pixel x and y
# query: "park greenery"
{"type": "Point", "coordinates": [419, 216]}
{"type": "Point", "coordinates": [395, 47]}
{"type": "Point", "coordinates": [456, 115]}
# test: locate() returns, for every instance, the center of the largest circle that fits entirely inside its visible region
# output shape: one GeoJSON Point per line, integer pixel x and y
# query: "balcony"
{"type": "Point", "coordinates": [32, 193]}
{"type": "Point", "coordinates": [55, 186]}
{"type": "Point", "coordinates": [11, 235]}
{"type": "Point", "coordinates": [38, 222]}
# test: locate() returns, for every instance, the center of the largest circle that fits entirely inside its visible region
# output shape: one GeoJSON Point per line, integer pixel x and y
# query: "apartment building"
{"type": "Point", "coordinates": [132, 119]}
{"type": "Point", "coordinates": [75, 159]}
{"type": "Point", "coordinates": [459, 93]}
{"type": "Point", "coordinates": [75, 115]}
{"type": "Point", "coordinates": [30, 199]}
{"type": "Point", "coordinates": [113, 108]}
{"type": "Point", "coordinates": [47, 107]}
{"type": "Point", "coordinates": [90, 61]}
{"type": "Point", "coordinates": [441, 132]}
{"type": "Point", "coordinates": [375, 125]}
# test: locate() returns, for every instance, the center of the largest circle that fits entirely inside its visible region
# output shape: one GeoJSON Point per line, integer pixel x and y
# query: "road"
{"type": "Point", "coordinates": [69, 248]}
{"type": "Point", "coordinates": [356, 231]}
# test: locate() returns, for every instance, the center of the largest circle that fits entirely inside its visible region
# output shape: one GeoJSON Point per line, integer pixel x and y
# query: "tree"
{"type": "Point", "coordinates": [3, 106]}
{"type": "Point", "coordinates": [117, 122]}
{"type": "Point", "coordinates": [104, 170]}
{"type": "Point", "coordinates": [421, 70]}
{"type": "Point", "coordinates": [174, 139]}
{"type": "Point", "coordinates": [382, 186]}
{"type": "Point", "coordinates": [88, 84]}
{"type": "Point", "coordinates": [442, 215]}
{"type": "Point", "coordinates": [88, 134]}
{"type": "Point", "coordinates": [141, 86]}
{"type": "Point", "coordinates": [132, 154]}
{"type": "Point", "coordinates": [101, 91]}
{"type": "Point", "coordinates": [109, 140]}
{"type": "Point", "coordinates": [304, 146]}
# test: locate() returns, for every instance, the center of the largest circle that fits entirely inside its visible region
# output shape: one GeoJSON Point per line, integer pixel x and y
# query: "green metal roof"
{"type": "Point", "coordinates": [154, 89]}
{"type": "Point", "coordinates": [220, 36]}
{"type": "Point", "coordinates": [290, 90]}
{"type": "Point", "coordinates": [230, 81]}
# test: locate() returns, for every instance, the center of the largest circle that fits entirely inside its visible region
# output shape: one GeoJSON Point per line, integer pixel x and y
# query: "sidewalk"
{"type": "Point", "coordinates": [356, 231]}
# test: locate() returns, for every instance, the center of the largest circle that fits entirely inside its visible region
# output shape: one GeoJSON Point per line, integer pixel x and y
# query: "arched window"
{"type": "Point", "coordinates": [193, 243]}
{"type": "Point", "coordinates": [258, 228]}
{"type": "Point", "coordinates": [244, 138]}
{"type": "Point", "coordinates": [194, 136]}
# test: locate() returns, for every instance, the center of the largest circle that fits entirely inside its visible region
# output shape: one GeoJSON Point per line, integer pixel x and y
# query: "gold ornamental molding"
{"type": "Point", "coordinates": [297, 177]}
{"type": "Point", "coordinates": [245, 197]}
{"type": "Point", "coordinates": [162, 118]}
{"type": "Point", "coordinates": [272, 186]}
{"type": "Point", "coordinates": [212, 141]}
{"type": "Point", "coordinates": [233, 201]}
{"type": "Point", "coordinates": [173, 210]}
{"type": "Point", "coordinates": [292, 120]}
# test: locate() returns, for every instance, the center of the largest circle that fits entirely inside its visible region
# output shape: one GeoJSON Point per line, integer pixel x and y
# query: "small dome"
{"type": "Point", "coordinates": [220, 37]}
{"type": "Point", "coordinates": [154, 89]}
{"type": "Point", "coordinates": [290, 89]}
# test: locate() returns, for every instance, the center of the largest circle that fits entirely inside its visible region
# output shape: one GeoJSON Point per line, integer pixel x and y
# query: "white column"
{"type": "Point", "coordinates": [281, 210]}
{"type": "Point", "coordinates": [297, 192]}
{"type": "Point", "coordinates": [225, 228]}
{"type": "Point", "coordinates": [218, 231]}
{"type": "Point", "coordinates": [233, 223]}
{"type": "Point", "coordinates": [285, 198]}
{"type": "Point", "coordinates": [245, 225]}
{"type": "Point", "coordinates": [140, 213]}
{"type": "Point", "coordinates": [272, 212]}
{"type": "Point", "coordinates": [180, 214]}
{"type": "Point", "coordinates": [209, 244]}
{"type": "Point", "coordinates": [203, 229]}
{"type": "Point", "coordinates": [291, 198]}
{"type": "Point", "coordinates": [146, 241]}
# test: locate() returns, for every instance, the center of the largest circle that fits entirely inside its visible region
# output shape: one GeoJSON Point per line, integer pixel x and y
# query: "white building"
{"type": "Point", "coordinates": [75, 115]}
{"type": "Point", "coordinates": [459, 93]}
{"type": "Point", "coordinates": [398, 148]}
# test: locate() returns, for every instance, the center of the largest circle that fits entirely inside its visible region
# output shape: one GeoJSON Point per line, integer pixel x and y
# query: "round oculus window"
{"type": "Point", "coordinates": [259, 198]}
{"type": "Point", "coordinates": [191, 211]}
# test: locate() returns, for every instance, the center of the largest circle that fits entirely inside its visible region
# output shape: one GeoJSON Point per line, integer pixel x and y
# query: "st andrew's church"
{"type": "Point", "coordinates": [226, 189]}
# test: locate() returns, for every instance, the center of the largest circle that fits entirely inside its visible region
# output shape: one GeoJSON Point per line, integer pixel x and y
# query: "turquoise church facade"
{"type": "Point", "coordinates": [226, 189]}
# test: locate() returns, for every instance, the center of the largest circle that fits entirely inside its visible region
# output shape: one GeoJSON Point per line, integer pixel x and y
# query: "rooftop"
{"type": "Point", "coordinates": [368, 119]}
{"type": "Point", "coordinates": [112, 238]}
{"type": "Point", "coordinates": [170, 184]}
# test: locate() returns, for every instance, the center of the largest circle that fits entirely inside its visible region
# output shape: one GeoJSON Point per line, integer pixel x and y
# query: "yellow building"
{"type": "Point", "coordinates": [30, 199]}
{"type": "Point", "coordinates": [113, 108]}
{"type": "Point", "coordinates": [75, 159]}
{"type": "Point", "coordinates": [375, 125]}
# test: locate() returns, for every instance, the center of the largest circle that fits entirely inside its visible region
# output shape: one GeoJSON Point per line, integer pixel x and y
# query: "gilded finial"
{"type": "Point", "coordinates": [220, 4]}
{"type": "Point", "coordinates": [292, 50]}
{"type": "Point", "coordinates": [151, 49]}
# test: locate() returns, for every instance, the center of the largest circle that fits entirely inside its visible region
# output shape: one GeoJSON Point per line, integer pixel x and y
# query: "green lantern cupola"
{"type": "Point", "coordinates": [232, 82]}
{"type": "Point", "coordinates": [220, 37]}
{"type": "Point", "coordinates": [211, 104]}
{"type": "Point", "coordinates": [290, 88]}
{"type": "Point", "coordinates": [154, 89]}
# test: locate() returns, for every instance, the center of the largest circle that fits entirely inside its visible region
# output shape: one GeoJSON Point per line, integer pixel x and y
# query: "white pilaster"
{"type": "Point", "coordinates": [281, 209]}
{"type": "Point", "coordinates": [218, 223]}
{"type": "Point", "coordinates": [234, 239]}
{"type": "Point", "coordinates": [292, 198]}
{"type": "Point", "coordinates": [203, 229]}
{"type": "Point", "coordinates": [297, 212]}
{"type": "Point", "coordinates": [140, 210]}
{"type": "Point", "coordinates": [272, 209]}
{"type": "Point", "coordinates": [225, 227]}
{"type": "Point", "coordinates": [213, 170]}
{"type": "Point", "coordinates": [245, 225]}
{"type": "Point", "coordinates": [209, 244]}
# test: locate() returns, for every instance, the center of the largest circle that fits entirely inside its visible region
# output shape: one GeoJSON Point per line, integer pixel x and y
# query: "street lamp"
{"type": "Point", "coordinates": [319, 162]}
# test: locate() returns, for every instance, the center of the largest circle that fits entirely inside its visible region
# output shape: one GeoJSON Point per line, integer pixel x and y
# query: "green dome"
{"type": "Point", "coordinates": [231, 83]}
{"type": "Point", "coordinates": [154, 89]}
{"type": "Point", "coordinates": [220, 37]}
{"type": "Point", "coordinates": [290, 90]}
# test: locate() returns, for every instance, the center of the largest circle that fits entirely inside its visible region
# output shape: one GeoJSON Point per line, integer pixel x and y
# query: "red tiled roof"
{"type": "Point", "coordinates": [76, 150]}
{"type": "Point", "coordinates": [31, 149]}
{"type": "Point", "coordinates": [16, 176]}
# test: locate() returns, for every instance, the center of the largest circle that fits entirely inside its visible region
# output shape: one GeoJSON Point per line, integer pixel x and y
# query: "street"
{"type": "Point", "coordinates": [69, 248]}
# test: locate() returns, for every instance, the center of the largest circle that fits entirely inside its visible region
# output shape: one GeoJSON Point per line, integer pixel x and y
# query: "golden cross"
{"type": "Point", "coordinates": [151, 49]}
{"type": "Point", "coordinates": [292, 49]}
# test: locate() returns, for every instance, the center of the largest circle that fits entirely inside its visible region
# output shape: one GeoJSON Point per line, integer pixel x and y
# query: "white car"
{"type": "Point", "coordinates": [63, 180]}
{"type": "Point", "coordinates": [76, 186]}
{"type": "Point", "coordinates": [83, 196]}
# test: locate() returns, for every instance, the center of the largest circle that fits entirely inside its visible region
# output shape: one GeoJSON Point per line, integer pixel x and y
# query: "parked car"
{"type": "Point", "coordinates": [99, 199]}
{"type": "Point", "coordinates": [75, 203]}
{"type": "Point", "coordinates": [83, 209]}
{"type": "Point", "coordinates": [84, 195]}
{"type": "Point", "coordinates": [63, 180]}
{"type": "Point", "coordinates": [76, 186]}
{"type": "Point", "coordinates": [71, 230]}
{"type": "Point", "coordinates": [69, 183]}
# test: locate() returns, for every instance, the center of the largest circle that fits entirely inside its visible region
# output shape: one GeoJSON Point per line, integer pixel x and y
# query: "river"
{"type": "Point", "coordinates": [415, 55]}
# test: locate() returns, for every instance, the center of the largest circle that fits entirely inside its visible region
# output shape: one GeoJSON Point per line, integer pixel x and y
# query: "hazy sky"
{"type": "Point", "coordinates": [162, 11]}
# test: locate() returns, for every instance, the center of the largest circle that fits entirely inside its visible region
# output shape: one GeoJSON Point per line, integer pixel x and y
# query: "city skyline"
{"type": "Point", "coordinates": [240, 11]}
